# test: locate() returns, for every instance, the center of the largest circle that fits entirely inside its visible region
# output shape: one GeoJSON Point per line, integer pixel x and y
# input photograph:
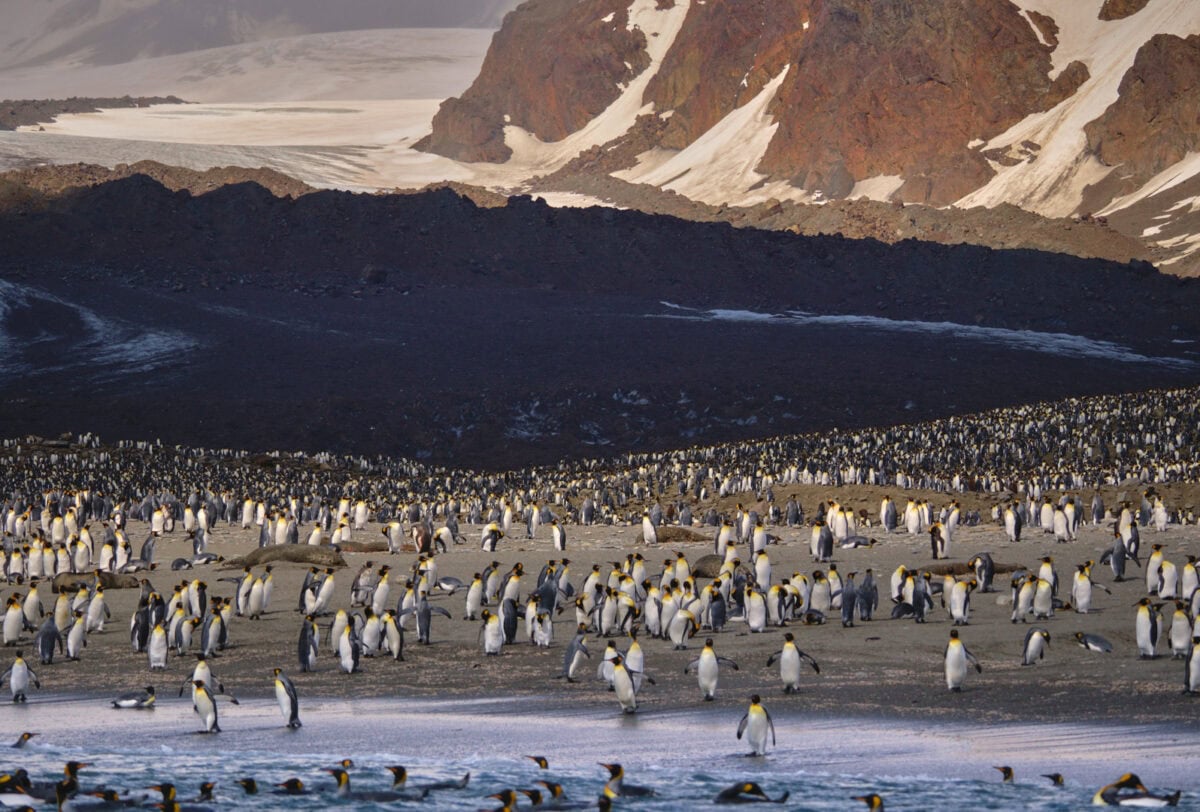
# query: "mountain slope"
{"type": "Point", "coordinates": [1059, 108]}
{"type": "Point", "coordinates": [107, 32]}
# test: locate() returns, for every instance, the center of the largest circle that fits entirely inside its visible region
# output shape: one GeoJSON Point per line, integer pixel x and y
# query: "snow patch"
{"type": "Point", "coordinates": [880, 187]}
{"type": "Point", "coordinates": [1173, 175]}
{"type": "Point", "coordinates": [609, 17]}
{"type": "Point", "coordinates": [536, 157]}
{"type": "Point", "coordinates": [719, 166]}
{"type": "Point", "coordinates": [1053, 185]}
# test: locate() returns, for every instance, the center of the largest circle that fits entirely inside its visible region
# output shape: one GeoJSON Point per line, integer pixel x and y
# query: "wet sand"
{"type": "Point", "coordinates": [889, 669]}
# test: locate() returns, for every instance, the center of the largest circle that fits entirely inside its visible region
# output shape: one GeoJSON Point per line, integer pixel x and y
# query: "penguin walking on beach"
{"type": "Point", "coordinates": [19, 676]}
{"type": "Point", "coordinates": [957, 657]}
{"type": "Point", "coordinates": [623, 685]}
{"type": "Point", "coordinates": [205, 706]}
{"type": "Point", "coordinates": [756, 725]}
{"type": "Point", "coordinates": [707, 667]}
{"type": "Point", "coordinates": [424, 612]}
{"type": "Point", "coordinates": [789, 658]}
{"type": "Point", "coordinates": [288, 699]}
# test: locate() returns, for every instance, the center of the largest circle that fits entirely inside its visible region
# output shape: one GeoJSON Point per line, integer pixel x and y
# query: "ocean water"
{"type": "Point", "coordinates": [686, 757]}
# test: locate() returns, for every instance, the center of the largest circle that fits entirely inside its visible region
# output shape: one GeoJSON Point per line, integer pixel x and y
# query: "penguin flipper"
{"type": "Point", "coordinates": [742, 725]}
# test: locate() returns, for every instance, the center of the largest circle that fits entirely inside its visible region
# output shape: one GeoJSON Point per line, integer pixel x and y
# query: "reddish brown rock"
{"type": "Point", "coordinates": [724, 54]}
{"type": "Point", "coordinates": [1120, 9]}
{"type": "Point", "coordinates": [552, 67]}
{"type": "Point", "coordinates": [1155, 120]}
{"type": "Point", "coordinates": [901, 89]}
{"type": "Point", "coordinates": [1046, 25]}
{"type": "Point", "coordinates": [872, 88]}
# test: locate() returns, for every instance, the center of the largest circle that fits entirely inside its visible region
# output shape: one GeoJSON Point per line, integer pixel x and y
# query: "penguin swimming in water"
{"type": "Point", "coordinates": [377, 796]}
{"type": "Point", "coordinates": [288, 699]}
{"type": "Point", "coordinates": [616, 787]}
{"type": "Point", "coordinates": [756, 724]}
{"type": "Point", "coordinates": [1128, 790]}
{"type": "Point", "coordinates": [747, 792]}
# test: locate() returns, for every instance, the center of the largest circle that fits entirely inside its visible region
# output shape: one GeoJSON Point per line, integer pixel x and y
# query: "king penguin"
{"type": "Point", "coordinates": [957, 657]}
{"type": "Point", "coordinates": [205, 706]}
{"type": "Point", "coordinates": [756, 724]}
{"type": "Point", "coordinates": [288, 699]}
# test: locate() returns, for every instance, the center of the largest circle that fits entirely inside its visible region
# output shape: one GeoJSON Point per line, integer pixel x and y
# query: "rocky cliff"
{"type": "Point", "coordinates": [1027, 102]}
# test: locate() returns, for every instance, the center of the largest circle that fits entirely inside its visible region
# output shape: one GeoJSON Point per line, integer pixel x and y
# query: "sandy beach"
{"type": "Point", "coordinates": [884, 668]}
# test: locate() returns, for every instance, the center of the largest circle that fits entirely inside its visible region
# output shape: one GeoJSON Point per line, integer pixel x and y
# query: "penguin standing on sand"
{"type": "Point", "coordinates": [789, 658]}
{"type": "Point", "coordinates": [957, 658]}
{"type": "Point", "coordinates": [573, 656]}
{"type": "Point", "coordinates": [756, 724]}
{"type": "Point", "coordinates": [1037, 640]}
{"type": "Point", "coordinates": [1146, 629]}
{"type": "Point", "coordinates": [307, 648]}
{"type": "Point", "coordinates": [708, 666]}
{"type": "Point", "coordinates": [19, 675]}
{"type": "Point", "coordinates": [1191, 670]}
{"type": "Point", "coordinates": [985, 570]}
{"type": "Point", "coordinates": [288, 699]}
{"type": "Point", "coordinates": [623, 685]}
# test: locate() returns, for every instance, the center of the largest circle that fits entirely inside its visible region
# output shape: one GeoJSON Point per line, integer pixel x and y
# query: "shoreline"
{"type": "Point", "coordinates": [446, 741]}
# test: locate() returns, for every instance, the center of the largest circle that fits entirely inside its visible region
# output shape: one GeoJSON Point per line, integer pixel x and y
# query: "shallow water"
{"type": "Point", "coordinates": [687, 757]}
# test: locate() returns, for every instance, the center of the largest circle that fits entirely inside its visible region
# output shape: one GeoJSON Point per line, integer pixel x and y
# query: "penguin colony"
{"type": "Point", "coordinates": [49, 536]}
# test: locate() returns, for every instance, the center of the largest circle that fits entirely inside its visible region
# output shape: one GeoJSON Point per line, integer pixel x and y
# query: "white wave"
{"type": "Point", "coordinates": [1061, 344]}
{"type": "Point", "coordinates": [106, 349]}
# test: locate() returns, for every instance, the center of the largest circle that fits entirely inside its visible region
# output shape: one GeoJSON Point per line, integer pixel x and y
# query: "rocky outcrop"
{"type": "Point", "coordinates": [1120, 9]}
{"type": "Point", "coordinates": [901, 89]}
{"type": "Point", "coordinates": [27, 112]}
{"type": "Point", "coordinates": [1155, 121]}
{"type": "Point", "coordinates": [872, 88]}
{"type": "Point", "coordinates": [725, 53]}
{"type": "Point", "coordinates": [552, 67]}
